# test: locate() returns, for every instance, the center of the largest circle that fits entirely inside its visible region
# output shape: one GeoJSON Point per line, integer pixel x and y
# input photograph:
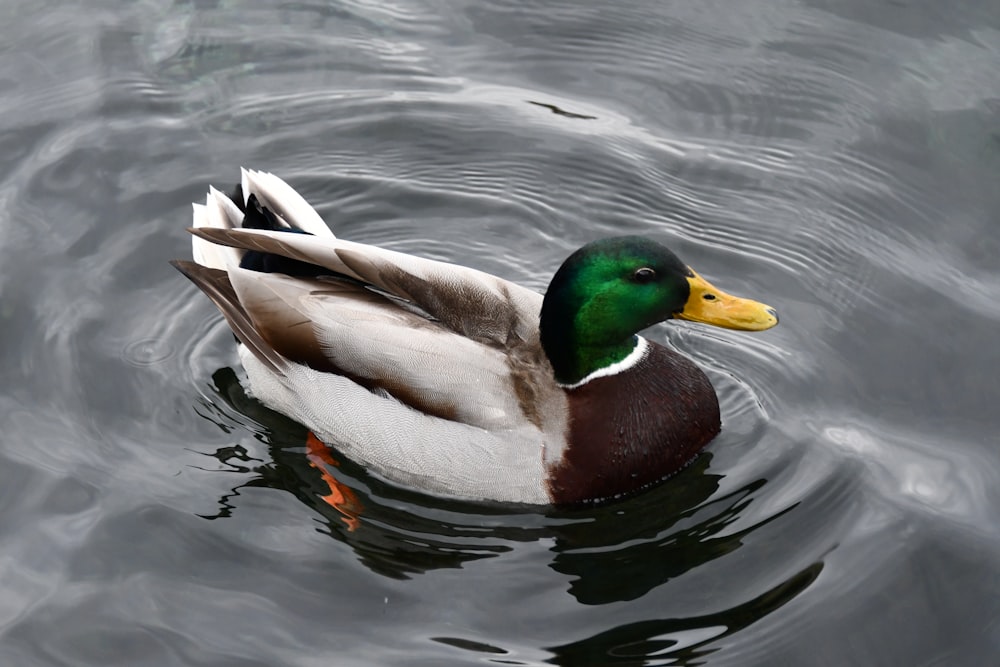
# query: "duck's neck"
{"type": "Point", "coordinates": [609, 363]}
{"type": "Point", "coordinates": [577, 350]}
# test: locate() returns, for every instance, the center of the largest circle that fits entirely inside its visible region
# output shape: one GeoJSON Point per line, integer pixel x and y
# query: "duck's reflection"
{"type": "Point", "coordinates": [654, 538]}
{"type": "Point", "coordinates": [679, 641]}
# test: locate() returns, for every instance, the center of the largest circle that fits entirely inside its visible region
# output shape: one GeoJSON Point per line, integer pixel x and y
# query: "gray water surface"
{"type": "Point", "coordinates": [839, 160]}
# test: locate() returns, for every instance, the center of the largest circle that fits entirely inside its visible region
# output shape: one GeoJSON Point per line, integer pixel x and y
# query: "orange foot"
{"type": "Point", "coordinates": [341, 497]}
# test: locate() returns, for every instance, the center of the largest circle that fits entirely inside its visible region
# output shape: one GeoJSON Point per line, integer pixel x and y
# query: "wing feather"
{"type": "Point", "coordinates": [347, 329]}
{"type": "Point", "coordinates": [470, 302]}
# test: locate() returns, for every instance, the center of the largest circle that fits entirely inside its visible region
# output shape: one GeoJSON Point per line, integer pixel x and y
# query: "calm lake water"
{"type": "Point", "coordinates": [837, 159]}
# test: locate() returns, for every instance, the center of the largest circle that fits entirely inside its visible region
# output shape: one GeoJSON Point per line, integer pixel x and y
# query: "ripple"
{"type": "Point", "coordinates": [147, 352]}
{"type": "Point", "coordinates": [955, 487]}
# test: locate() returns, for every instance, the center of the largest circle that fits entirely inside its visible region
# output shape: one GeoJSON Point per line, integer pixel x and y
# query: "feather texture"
{"type": "Point", "coordinates": [429, 372]}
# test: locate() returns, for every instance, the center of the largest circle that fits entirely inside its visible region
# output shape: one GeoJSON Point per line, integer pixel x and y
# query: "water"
{"type": "Point", "coordinates": [837, 160]}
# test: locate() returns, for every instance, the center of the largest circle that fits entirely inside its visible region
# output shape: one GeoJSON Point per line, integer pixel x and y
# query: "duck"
{"type": "Point", "coordinates": [455, 382]}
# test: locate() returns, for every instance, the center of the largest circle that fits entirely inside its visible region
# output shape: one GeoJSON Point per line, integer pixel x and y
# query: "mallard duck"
{"type": "Point", "coordinates": [454, 381]}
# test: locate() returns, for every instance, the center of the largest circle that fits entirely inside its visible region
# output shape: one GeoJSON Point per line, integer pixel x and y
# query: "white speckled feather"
{"type": "Point", "coordinates": [402, 444]}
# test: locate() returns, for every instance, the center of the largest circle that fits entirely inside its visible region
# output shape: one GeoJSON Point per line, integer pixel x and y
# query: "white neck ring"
{"type": "Point", "coordinates": [630, 360]}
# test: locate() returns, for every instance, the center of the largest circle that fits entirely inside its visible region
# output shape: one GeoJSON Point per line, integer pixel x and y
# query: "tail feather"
{"type": "Point", "coordinates": [283, 206]}
{"type": "Point", "coordinates": [216, 285]}
{"type": "Point", "coordinates": [278, 196]}
{"type": "Point", "coordinates": [261, 201]}
{"type": "Point", "coordinates": [229, 215]}
{"type": "Point", "coordinates": [218, 212]}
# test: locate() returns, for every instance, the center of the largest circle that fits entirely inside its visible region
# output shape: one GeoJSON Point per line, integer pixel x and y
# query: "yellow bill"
{"type": "Point", "coordinates": [712, 306]}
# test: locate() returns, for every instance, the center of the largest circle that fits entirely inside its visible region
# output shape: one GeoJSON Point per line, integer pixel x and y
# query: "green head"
{"type": "Point", "coordinates": [609, 290]}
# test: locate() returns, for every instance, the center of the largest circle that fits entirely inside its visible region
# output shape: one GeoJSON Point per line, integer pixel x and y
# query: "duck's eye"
{"type": "Point", "coordinates": [644, 275]}
{"type": "Point", "coordinates": [708, 297]}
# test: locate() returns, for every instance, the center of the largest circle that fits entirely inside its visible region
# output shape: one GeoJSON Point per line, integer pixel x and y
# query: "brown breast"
{"type": "Point", "coordinates": [633, 429]}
